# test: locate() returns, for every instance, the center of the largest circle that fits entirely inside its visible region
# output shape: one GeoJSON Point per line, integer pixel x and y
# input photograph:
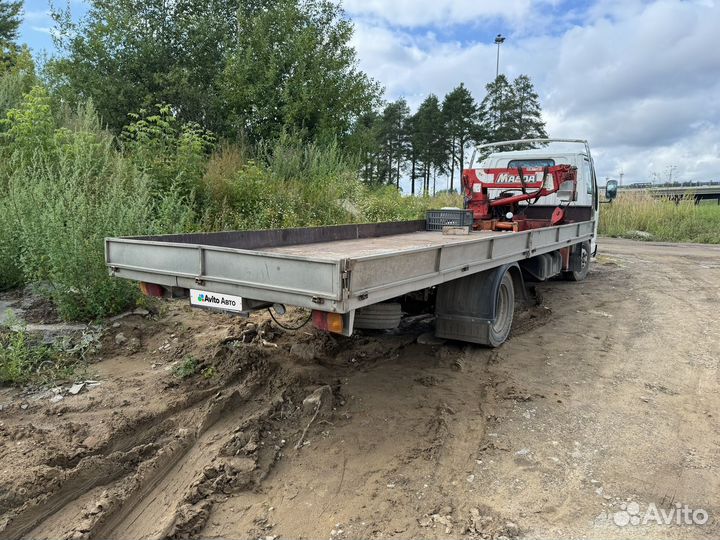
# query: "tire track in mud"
{"type": "Point", "coordinates": [159, 475]}
{"type": "Point", "coordinates": [99, 493]}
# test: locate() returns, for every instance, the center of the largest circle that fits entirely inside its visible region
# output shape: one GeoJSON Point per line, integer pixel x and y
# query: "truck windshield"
{"type": "Point", "coordinates": [527, 163]}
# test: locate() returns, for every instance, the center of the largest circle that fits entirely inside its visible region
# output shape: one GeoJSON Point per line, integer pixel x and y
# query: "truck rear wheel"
{"type": "Point", "coordinates": [479, 308]}
{"type": "Point", "coordinates": [504, 310]}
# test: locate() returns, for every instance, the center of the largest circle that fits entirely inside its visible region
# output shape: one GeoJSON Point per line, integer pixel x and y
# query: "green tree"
{"type": "Point", "coordinates": [511, 111]}
{"type": "Point", "coordinates": [496, 110]}
{"type": "Point", "coordinates": [128, 55]}
{"type": "Point", "coordinates": [363, 143]}
{"type": "Point", "coordinates": [428, 141]}
{"type": "Point", "coordinates": [10, 19]}
{"type": "Point", "coordinates": [394, 141]}
{"type": "Point", "coordinates": [293, 68]}
{"type": "Point", "coordinates": [527, 114]}
{"type": "Point", "coordinates": [460, 114]}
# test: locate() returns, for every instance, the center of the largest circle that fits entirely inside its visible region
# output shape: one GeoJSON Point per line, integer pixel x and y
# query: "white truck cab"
{"type": "Point", "coordinates": [586, 197]}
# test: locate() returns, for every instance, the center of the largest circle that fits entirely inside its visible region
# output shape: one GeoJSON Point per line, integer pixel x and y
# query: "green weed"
{"type": "Point", "coordinates": [25, 359]}
{"type": "Point", "coordinates": [187, 368]}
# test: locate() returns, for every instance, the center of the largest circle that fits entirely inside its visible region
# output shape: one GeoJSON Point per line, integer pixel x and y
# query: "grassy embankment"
{"type": "Point", "coordinates": [66, 184]}
{"type": "Point", "coordinates": [637, 215]}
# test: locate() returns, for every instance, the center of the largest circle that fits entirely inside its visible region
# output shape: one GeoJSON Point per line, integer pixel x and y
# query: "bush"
{"type": "Point", "coordinates": [172, 155]}
{"type": "Point", "coordinates": [67, 189]}
{"type": "Point", "coordinates": [187, 368]}
{"type": "Point", "coordinates": [19, 360]}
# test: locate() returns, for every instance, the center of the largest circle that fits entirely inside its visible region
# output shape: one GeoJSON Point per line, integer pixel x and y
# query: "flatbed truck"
{"type": "Point", "coordinates": [361, 275]}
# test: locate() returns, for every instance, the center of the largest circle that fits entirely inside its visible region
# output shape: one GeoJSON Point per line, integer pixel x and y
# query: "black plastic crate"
{"type": "Point", "coordinates": [435, 220]}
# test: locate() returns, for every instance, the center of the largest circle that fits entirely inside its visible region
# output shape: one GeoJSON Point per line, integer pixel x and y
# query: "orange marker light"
{"type": "Point", "coordinates": [329, 322]}
{"type": "Point", "coordinates": [335, 322]}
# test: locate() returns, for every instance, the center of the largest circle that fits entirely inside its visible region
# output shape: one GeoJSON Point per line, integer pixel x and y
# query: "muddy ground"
{"type": "Point", "coordinates": [602, 406]}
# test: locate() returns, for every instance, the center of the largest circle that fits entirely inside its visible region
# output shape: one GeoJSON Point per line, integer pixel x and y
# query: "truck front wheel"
{"type": "Point", "coordinates": [582, 263]}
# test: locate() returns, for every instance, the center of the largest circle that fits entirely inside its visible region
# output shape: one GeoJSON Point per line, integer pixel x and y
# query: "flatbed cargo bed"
{"type": "Point", "coordinates": [337, 269]}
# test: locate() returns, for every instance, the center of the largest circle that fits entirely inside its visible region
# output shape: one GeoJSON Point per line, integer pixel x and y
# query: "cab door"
{"type": "Point", "coordinates": [590, 196]}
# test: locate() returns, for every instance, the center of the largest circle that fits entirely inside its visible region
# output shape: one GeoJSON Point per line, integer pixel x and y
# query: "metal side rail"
{"type": "Point", "coordinates": [352, 276]}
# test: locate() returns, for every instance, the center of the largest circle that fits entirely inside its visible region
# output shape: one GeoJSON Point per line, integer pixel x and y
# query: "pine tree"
{"type": "Point", "coordinates": [460, 113]}
{"type": "Point", "coordinates": [526, 111]}
{"type": "Point", "coordinates": [393, 138]}
{"type": "Point", "coordinates": [10, 19]}
{"type": "Point", "coordinates": [414, 147]}
{"type": "Point", "coordinates": [428, 141]}
{"type": "Point", "coordinates": [511, 111]}
{"type": "Point", "coordinates": [363, 142]}
{"type": "Point", "coordinates": [496, 110]}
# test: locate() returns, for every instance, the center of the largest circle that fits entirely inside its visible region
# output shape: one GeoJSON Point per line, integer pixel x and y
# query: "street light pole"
{"type": "Point", "coordinates": [499, 39]}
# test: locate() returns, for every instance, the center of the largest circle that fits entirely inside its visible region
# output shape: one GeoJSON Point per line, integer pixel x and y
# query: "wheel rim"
{"type": "Point", "coordinates": [584, 257]}
{"type": "Point", "coordinates": [503, 313]}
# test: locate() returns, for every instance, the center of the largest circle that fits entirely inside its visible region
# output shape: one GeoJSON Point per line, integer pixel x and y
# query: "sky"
{"type": "Point", "coordinates": [640, 80]}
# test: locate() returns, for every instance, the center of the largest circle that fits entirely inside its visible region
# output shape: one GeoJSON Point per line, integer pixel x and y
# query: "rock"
{"type": "Point", "coordinates": [76, 388]}
{"type": "Point", "coordinates": [138, 311]}
{"type": "Point", "coordinates": [266, 343]}
{"type": "Point", "coordinates": [321, 398]}
{"type": "Point", "coordinates": [428, 338]}
{"type": "Point", "coordinates": [120, 339]}
{"type": "Point", "coordinates": [303, 351]}
{"type": "Point", "coordinates": [639, 235]}
{"type": "Point", "coordinates": [133, 345]}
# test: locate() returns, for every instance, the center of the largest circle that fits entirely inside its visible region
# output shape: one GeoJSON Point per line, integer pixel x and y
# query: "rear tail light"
{"type": "Point", "coordinates": [328, 322]}
{"type": "Point", "coordinates": [152, 289]}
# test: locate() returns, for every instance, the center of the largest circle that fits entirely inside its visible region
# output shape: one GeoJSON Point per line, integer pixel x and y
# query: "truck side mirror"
{"type": "Point", "coordinates": [611, 189]}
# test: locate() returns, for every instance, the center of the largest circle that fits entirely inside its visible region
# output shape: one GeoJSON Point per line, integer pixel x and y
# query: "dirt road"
{"type": "Point", "coordinates": [597, 419]}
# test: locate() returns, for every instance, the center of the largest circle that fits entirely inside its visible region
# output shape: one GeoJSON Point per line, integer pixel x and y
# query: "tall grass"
{"type": "Point", "coordinates": [66, 184]}
{"type": "Point", "coordinates": [65, 189]}
{"type": "Point", "coordinates": [290, 184]}
{"type": "Point", "coordinates": [638, 215]}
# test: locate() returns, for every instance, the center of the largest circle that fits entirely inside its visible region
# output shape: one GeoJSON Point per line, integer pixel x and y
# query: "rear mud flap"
{"type": "Point", "coordinates": [465, 307]}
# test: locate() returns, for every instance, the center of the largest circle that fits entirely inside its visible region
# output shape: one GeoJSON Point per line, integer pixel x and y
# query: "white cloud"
{"type": "Point", "coordinates": [639, 80]}
{"type": "Point", "coordinates": [412, 13]}
{"type": "Point", "coordinates": [36, 15]}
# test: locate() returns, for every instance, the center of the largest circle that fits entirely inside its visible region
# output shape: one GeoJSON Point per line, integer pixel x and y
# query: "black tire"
{"type": "Point", "coordinates": [385, 316]}
{"type": "Point", "coordinates": [579, 275]}
{"type": "Point", "coordinates": [504, 311]}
